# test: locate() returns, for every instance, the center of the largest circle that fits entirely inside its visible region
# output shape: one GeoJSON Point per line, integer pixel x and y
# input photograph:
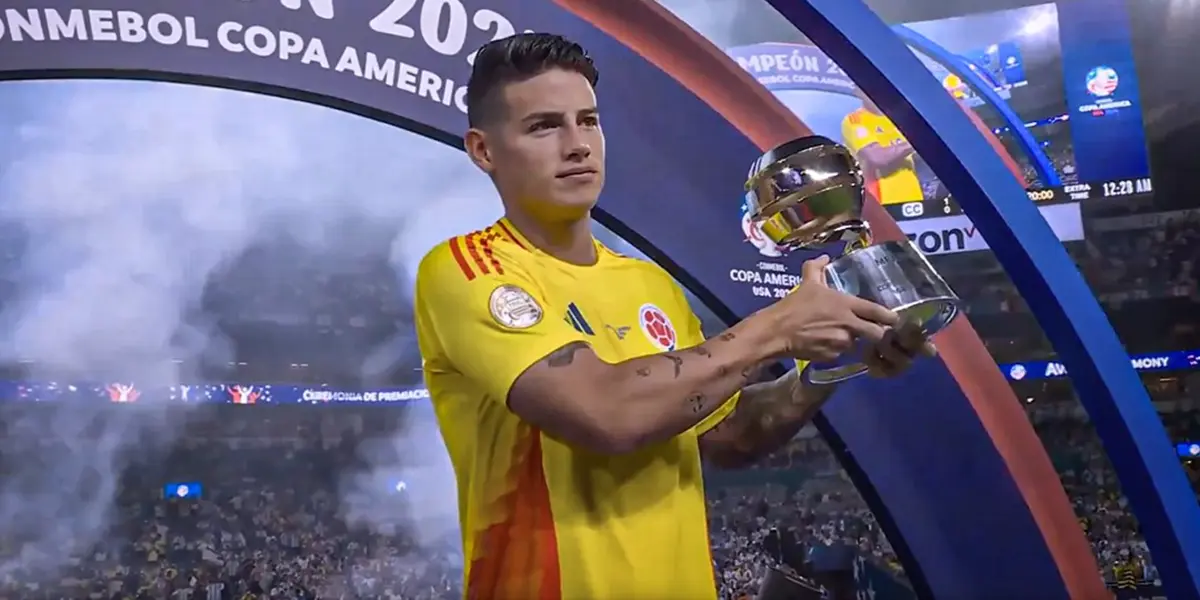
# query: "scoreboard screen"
{"type": "Point", "coordinates": [1066, 72]}
{"type": "Point", "coordinates": [1054, 83]}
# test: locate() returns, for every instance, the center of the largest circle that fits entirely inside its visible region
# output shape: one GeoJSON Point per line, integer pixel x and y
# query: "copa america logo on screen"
{"type": "Point", "coordinates": [1017, 372]}
{"type": "Point", "coordinates": [1102, 81]}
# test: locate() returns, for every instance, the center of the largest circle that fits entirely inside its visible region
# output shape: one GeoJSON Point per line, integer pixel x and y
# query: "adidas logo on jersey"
{"type": "Point", "coordinates": [575, 319]}
{"type": "Point", "coordinates": [618, 331]}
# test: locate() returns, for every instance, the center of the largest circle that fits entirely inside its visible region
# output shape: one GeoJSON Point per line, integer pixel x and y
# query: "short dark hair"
{"type": "Point", "coordinates": [518, 58]}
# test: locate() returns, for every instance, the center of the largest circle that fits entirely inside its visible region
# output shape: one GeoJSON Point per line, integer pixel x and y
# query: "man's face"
{"type": "Point", "coordinates": [545, 150]}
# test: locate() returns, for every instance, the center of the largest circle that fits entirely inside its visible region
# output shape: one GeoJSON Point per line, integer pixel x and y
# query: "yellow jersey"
{"type": "Point", "coordinates": [541, 519]}
{"type": "Point", "coordinates": [862, 128]}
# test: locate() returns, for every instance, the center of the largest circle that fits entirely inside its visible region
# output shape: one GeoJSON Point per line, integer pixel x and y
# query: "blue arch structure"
{"type": "Point", "coordinates": [1108, 387]}
{"type": "Point", "coordinates": [958, 506]}
{"type": "Point", "coordinates": [960, 67]}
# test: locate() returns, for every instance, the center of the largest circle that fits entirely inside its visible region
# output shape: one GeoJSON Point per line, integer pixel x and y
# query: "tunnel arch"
{"type": "Point", "coordinates": [691, 141]}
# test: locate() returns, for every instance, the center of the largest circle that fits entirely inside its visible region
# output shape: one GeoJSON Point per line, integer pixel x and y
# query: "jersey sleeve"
{"type": "Point", "coordinates": [855, 134]}
{"type": "Point", "coordinates": [486, 320]}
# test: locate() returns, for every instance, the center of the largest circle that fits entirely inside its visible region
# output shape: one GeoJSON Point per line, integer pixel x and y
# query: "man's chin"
{"type": "Point", "coordinates": [573, 205]}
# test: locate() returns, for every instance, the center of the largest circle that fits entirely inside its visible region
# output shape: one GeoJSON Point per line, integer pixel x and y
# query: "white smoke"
{"type": "Point", "coordinates": [132, 195]}
{"type": "Point", "coordinates": [407, 485]}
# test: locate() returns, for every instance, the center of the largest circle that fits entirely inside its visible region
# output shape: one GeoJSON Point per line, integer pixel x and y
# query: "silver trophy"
{"type": "Point", "coordinates": [808, 194]}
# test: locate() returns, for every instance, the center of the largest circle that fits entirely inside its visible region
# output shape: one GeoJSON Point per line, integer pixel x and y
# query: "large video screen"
{"type": "Point", "coordinates": [1053, 83]}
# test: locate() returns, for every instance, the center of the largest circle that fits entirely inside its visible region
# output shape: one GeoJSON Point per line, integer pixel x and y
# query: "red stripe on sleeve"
{"type": "Point", "coordinates": [485, 242]}
{"type": "Point", "coordinates": [473, 250]}
{"type": "Point", "coordinates": [456, 251]}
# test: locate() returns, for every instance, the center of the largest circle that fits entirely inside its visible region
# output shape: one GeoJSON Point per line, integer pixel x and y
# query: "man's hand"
{"type": "Point", "coordinates": [834, 321]}
{"type": "Point", "coordinates": [894, 353]}
{"type": "Point", "coordinates": [821, 323]}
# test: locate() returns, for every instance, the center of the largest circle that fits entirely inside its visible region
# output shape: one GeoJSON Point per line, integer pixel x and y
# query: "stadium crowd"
{"type": "Point", "coordinates": [1125, 266]}
{"type": "Point", "coordinates": [272, 518]}
{"type": "Point", "coordinates": [1056, 145]}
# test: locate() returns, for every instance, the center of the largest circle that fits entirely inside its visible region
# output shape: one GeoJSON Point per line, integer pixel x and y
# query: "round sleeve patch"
{"type": "Point", "coordinates": [514, 308]}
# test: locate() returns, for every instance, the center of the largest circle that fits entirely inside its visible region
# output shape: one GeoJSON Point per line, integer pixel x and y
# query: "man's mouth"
{"type": "Point", "coordinates": [576, 172]}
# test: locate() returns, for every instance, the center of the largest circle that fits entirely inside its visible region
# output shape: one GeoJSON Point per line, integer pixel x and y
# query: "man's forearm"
{"type": "Point", "coordinates": [616, 408]}
{"type": "Point", "coordinates": [666, 394]}
{"type": "Point", "coordinates": [768, 415]}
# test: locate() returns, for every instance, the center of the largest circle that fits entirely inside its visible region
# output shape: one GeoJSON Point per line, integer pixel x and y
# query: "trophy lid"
{"type": "Point", "coordinates": [782, 152]}
{"type": "Point", "coordinates": [806, 191]}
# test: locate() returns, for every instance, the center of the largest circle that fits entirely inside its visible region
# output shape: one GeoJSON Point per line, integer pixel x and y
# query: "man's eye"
{"type": "Point", "coordinates": [542, 126]}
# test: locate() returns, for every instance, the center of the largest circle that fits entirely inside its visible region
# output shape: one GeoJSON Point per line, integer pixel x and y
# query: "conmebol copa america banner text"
{"type": "Point", "coordinates": [792, 66]}
{"type": "Point", "coordinates": [398, 57]}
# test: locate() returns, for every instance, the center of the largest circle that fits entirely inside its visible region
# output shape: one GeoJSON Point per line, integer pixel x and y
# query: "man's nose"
{"type": "Point", "coordinates": [575, 145]}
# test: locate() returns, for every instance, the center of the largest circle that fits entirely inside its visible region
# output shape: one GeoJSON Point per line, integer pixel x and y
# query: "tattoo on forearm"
{"type": "Point", "coordinates": [727, 336]}
{"type": "Point", "coordinates": [696, 401]}
{"type": "Point", "coordinates": [643, 372]}
{"type": "Point", "coordinates": [564, 356]}
{"type": "Point", "coordinates": [765, 418]}
{"type": "Point", "coordinates": [700, 350]}
{"type": "Point", "coordinates": [675, 360]}
{"type": "Point", "coordinates": [763, 413]}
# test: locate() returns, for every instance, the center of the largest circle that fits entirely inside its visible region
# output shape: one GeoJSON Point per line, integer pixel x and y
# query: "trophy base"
{"type": "Point", "coordinates": [894, 275]}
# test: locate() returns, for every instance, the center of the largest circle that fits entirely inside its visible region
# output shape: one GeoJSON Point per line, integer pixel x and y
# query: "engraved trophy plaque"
{"type": "Point", "coordinates": [808, 194]}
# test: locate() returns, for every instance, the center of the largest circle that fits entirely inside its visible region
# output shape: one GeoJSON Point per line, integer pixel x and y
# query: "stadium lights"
{"type": "Point", "coordinates": [1038, 24]}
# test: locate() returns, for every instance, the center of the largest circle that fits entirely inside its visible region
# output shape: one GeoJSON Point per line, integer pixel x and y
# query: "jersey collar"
{"type": "Point", "coordinates": [510, 232]}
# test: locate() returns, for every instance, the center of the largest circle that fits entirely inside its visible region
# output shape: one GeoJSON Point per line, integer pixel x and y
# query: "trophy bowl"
{"type": "Point", "coordinates": [808, 194]}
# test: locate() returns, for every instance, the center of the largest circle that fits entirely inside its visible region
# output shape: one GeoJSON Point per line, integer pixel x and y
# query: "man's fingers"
{"type": "Point", "coordinates": [814, 270]}
{"type": "Point", "coordinates": [876, 366]}
{"type": "Point", "coordinates": [865, 309]}
{"type": "Point", "coordinates": [894, 350]}
{"type": "Point", "coordinates": [884, 360]}
{"type": "Point", "coordinates": [910, 337]}
{"type": "Point", "coordinates": [866, 330]}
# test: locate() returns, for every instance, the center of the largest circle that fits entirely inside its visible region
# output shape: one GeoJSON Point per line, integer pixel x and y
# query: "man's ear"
{"type": "Point", "coordinates": [477, 147]}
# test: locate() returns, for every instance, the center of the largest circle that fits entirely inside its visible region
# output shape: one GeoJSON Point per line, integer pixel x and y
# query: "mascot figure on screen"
{"type": "Point", "coordinates": [892, 170]}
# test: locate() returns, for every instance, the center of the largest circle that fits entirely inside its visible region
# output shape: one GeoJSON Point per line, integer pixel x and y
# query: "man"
{"type": "Point", "coordinates": [573, 387]}
{"type": "Point", "coordinates": [888, 162]}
